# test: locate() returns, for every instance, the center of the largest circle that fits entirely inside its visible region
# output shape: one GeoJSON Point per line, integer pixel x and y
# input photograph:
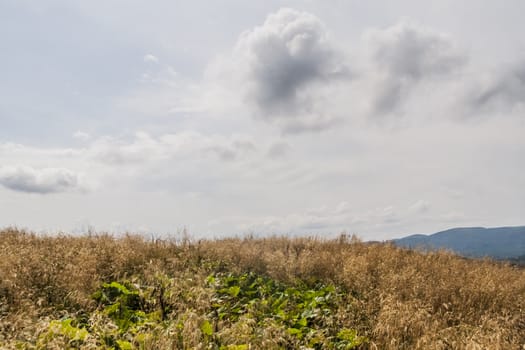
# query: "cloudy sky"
{"type": "Point", "coordinates": [380, 118]}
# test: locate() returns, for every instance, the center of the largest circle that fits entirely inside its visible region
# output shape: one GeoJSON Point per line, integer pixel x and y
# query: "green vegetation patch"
{"type": "Point", "coordinates": [307, 313]}
{"type": "Point", "coordinates": [242, 311]}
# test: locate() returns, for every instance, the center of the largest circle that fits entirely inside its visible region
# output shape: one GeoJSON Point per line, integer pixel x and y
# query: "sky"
{"type": "Point", "coordinates": [228, 118]}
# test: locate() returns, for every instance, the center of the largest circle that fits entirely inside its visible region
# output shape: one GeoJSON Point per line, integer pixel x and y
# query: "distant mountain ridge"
{"type": "Point", "coordinates": [498, 243]}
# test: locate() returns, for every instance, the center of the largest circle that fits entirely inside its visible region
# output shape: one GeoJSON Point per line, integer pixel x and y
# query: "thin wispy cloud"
{"type": "Point", "coordinates": [149, 58]}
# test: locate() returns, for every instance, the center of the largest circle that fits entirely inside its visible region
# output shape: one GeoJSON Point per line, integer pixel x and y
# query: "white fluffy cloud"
{"type": "Point", "coordinates": [406, 54]}
{"type": "Point", "coordinates": [286, 64]}
{"type": "Point", "coordinates": [43, 181]}
{"type": "Point", "coordinates": [289, 72]}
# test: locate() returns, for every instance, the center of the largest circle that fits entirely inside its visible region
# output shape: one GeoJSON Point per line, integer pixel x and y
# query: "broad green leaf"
{"type": "Point", "coordinates": [206, 328]}
{"type": "Point", "coordinates": [234, 291]}
{"type": "Point", "coordinates": [124, 345]}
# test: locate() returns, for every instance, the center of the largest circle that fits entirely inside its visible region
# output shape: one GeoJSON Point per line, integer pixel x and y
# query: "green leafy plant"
{"type": "Point", "coordinates": [66, 329]}
{"type": "Point", "coordinates": [123, 304]}
{"type": "Point", "coordinates": [305, 312]}
{"type": "Point", "coordinates": [348, 339]}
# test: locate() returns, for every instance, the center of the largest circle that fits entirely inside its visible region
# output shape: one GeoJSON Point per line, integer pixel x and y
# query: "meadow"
{"type": "Point", "coordinates": [98, 291]}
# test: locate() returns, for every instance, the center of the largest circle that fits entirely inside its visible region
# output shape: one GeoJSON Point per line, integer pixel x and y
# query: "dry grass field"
{"type": "Point", "coordinates": [99, 291]}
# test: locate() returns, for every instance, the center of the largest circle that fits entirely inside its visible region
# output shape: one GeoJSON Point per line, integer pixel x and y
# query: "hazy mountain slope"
{"type": "Point", "coordinates": [500, 242]}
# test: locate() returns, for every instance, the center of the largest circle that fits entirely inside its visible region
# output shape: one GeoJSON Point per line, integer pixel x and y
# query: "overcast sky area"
{"type": "Point", "coordinates": [379, 118]}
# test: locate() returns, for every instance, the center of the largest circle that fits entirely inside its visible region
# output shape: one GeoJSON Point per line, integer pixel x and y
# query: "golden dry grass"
{"type": "Point", "coordinates": [398, 299]}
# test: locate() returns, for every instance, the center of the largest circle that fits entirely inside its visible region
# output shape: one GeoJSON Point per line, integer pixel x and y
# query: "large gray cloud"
{"type": "Point", "coordinates": [505, 90]}
{"type": "Point", "coordinates": [406, 54]}
{"type": "Point", "coordinates": [43, 181]}
{"type": "Point", "coordinates": [285, 60]}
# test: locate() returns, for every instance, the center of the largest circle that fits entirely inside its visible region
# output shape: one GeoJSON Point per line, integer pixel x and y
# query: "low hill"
{"type": "Point", "coordinates": [498, 243]}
